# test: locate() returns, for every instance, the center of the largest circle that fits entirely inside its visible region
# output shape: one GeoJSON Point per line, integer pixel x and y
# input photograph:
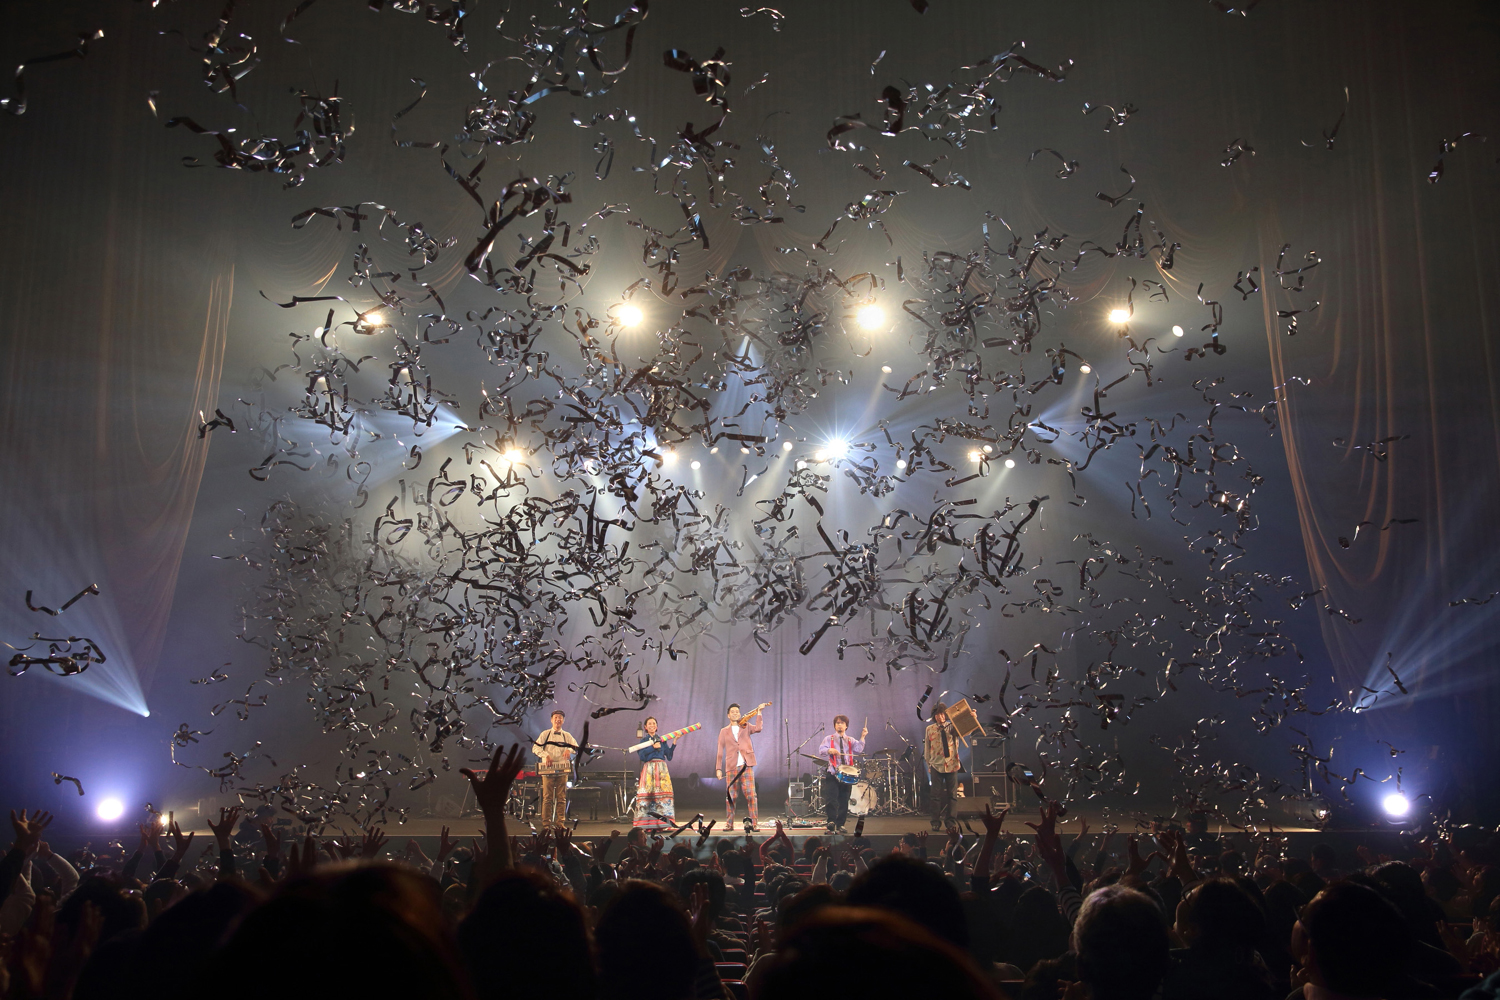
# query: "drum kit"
{"type": "Point", "coordinates": [885, 782]}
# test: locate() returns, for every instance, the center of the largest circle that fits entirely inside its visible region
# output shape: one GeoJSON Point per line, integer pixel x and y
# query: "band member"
{"type": "Point", "coordinates": [734, 760]}
{"type": "Point", "coordinates": [555, 748]}
{"type": "Point", "coordinates": [654, 809]}
{"type": "Point", "coordinates": [942, 766]}
{"type": "Point", "coordinates": [840, 748]}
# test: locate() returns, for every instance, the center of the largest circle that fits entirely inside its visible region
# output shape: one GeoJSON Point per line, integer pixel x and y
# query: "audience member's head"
{"type": "Point", "coordinates": [524, 938]}
{"type": "Point", "coordinates": [1353, 941]}
{"type": "Point", "coordinates": [917, 891]}
{"type": "Point", "coordinates": [865, 952]}
{"type": "Point", "coordinates": [1218, 917]}
{"type": "Point", "coordinates": [346, 931]}
{"type": "Point", "coordinates": [1121, 944]}
{"type": "Point", "coordinates": [644, 939]}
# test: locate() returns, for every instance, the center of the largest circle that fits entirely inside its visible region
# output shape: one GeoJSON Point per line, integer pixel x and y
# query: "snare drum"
{"type": "Point", "coordinates": [862, 799]}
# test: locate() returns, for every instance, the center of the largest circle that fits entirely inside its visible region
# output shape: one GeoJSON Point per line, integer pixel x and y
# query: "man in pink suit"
{"type": "Point", "coordinates": [736, 756]}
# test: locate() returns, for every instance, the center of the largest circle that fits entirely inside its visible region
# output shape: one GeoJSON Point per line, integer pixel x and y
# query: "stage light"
{"type": "Point", "coordinates": [870, 316]}
{"type": "Point", "coordinates": [900, 463]}
{"type": "Point", "coordinates": [786, 446]}
{"type": "Point", "coordinates": [1396, 805]}
{"type": "Point", "coordinates": [1085, 369]}
{"type": "Point", "coordinates": [988, 449]}
{"type": "Point", "coordinates": [1176, 331]}
{"type": "Point", "coordinates": [629, 315]}
{"type": "Point", "coordinates": [714, 450]}
{"type": "Point", "coordinates": [696, 465]}
{"type": "Point", "coordinates": [512, 456]}
{"type": "Point", "coordinates": [1010, 463]}
{"type": "Point", "coordinates": [838, 448]}
{"type": "Point", "coordinates": [111, 809]}
{"type": "Point", "coordinates": [801, 465]}
{"type": "Point", "coordinates": [886, 369]}
{"type": "Point", "coordinates": [975, 456]}
{"type": "Point", "coordinates": [1119, 317]}
{"type": "Point", "coordinates": [668, 456]}
{"type": "Point", "coordinates": [744, 450]}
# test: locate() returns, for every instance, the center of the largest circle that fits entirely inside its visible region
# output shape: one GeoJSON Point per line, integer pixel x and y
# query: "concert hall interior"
{"type": "Point", "coordinates": [458, 422]}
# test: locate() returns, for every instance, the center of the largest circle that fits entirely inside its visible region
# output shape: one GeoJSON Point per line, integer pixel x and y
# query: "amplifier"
{"type": "Point", "coordinates": [796, 790]}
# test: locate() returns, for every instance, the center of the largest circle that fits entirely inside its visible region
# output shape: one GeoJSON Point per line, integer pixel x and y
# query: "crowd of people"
{"type": "Point", "coordinates": [952, 915]}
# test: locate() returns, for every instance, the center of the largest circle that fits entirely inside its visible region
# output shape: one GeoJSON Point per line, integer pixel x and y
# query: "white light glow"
{"type": "Point", "coordinates": [696, 465]}
{"type": "Point", "coordinates": [801, 465]}
{"type": "Point", "coordinates": [111, 809]}
{"type": "Point", "coordinates": [668, 456]}
{"type": "Point", "coordinates": [744, 450]}
{"type": "Point", "coordinates": [786, 446]}
{"type": "Point", "coordinates": [629, 315]}
{"type": "Point", "coordinates": [1119, 317]}
{"type": "Point", "coordinates": [714, 450]}
{"type": "Point", "coordinates": [1396, 805]}
{"type": "Point", "coordinates": [838, 448]}
{"type": "Point", "coordinates": [900, 463]}
{"type": "Point", "coordinates": [870, 317]}
{"type": "Point", "coordinates": [989, 449]}
{"type": "Point", "coordinates": [1010, 463]}
{"type": "Point", "coordinates": [820, 455]}
{"type": "Point", "coordinates": [886, 369]}
{"type": "Point", "coordinates": [512, 455]}
{"type": "Point", "coordinates": [1085, 369]}
{"type": "Point", "coordinates": [975, 456]}
{"type": "Point", "coordinates": [1176, 331]}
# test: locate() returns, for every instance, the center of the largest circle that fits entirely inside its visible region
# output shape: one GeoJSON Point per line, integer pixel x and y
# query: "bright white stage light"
{"type": "Point", "coordinates": [111, 809]}
{"type": "Point", "coordinates": [975, 456]}
{"type": "Point", "coordinates": [886, 369]}
{"type": "Point", "coordinates": [1176, 331]}
{"type": "Point", "coordinates": [1085, 369]}
{"type": "Point", "coordinates": [838, 448]}
{"type": "Point", "coordinates": [1396, 805]}
{"type": "Point", "coordinates": [714, 450]}
{"type": "Point", "coordinates": [820, 455]}
{"type": "Point", "coordinates": [801, 465]}
{"type": "Point", "coordinates": [1119, 317]}
{"type": "Point", "coordinates": [988, 449]}
{"type": "Point", "coordinates": [900, 463]}
{"type": "Point", "coordinates": [629, 315]}
{"type": "Point", "coordinates": [512, 456]}
{"type": "Point", "coordinates": [1010, 463]}
{"type": "Point", "coordinates": [696, 465]}
{"type": "Point", "coordinates": [870, 316]}
{"type": "Point", "coordinates": [744, 450]}
{"type": "Point", "coordinates": [668, 456]}
{"type": "Point", "coordinates": [786, 446]}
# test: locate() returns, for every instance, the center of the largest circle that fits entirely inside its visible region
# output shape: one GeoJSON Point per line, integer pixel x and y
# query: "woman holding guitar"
{"type": "Point", "coordinates": [735, 757]}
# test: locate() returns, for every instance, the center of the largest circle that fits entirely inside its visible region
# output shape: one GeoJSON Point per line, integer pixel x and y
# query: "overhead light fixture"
{"type": "Point", "coordinates": [629, 315]}
{"type": "Point", "coordinates": [668, 456]}
{"type": "Point", "coordinates": [786, 446]}
{"type": "Point", "coordinates": [1085, 368]}
{"type": "Point", "coordinates": [837, 448]}
{"type": "Point", "coordinates": [1119, 317]}
{"type": "Point", "coordinates": [869, 316]}
{"type": "Point", "coordinates": [1010, 463]}
{"type": "Point", "coordinates": [696, 465]}
{"type": "Point", "coordinates": [1396, 805]}
{"type": "Point", "coordinates": [1176, 331]}
{"type": "Point", "coordinates": [988, 449]}
{"type": "Point", "coordinates": [900, 463]}
{"type": "Point", "coordinates": [975, 456]}
{"type": "Point", "coordinates": [886, 369]}
{"type": "Point", "coordinates": [110, 809]}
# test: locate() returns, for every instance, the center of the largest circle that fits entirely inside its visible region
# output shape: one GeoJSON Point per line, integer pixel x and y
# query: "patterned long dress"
{"type": "Point", "coordinates": [654, 809]}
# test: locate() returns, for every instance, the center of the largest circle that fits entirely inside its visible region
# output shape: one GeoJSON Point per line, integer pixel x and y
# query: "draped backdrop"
{"type": "Point", "coordinates": [140, 282]}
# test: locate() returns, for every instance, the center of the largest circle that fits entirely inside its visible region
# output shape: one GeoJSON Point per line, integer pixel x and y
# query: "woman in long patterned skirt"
{"type": "Point", "coordinates": [653, 797]}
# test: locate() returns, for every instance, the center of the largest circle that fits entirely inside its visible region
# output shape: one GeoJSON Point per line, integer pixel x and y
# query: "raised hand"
{"type": "Point", "coordinates": [372, 843]}
{"type": "Point", "coordinates": [445, 846]}
{"type": "Point", "coordinates": [698, 912]}
{"type": "Point", "coordinates": [29, 831]}
{"type": "Point", "coordinates": [271, 839]}
{"type": "Point", "coordinates": [492, 792]}
{"type": "Point", "coordinates": [180, 843]}
{"type": "Point", "coordinates": [150, 836]}
{"type": "Point", "coordinates": [993, 822]}
{"type": "Point", "coordinates": [224, 827]}
{"type": "Point", "coordinates": [1048, 844]}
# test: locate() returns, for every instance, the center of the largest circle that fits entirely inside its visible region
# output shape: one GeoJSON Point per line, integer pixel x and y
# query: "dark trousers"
{"type": "Point", "coordinates": [940, 796]}
{"type": "Point", "coordinates": [836, 799]}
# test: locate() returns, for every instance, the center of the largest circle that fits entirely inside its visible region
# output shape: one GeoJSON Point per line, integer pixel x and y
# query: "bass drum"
{"type": "Point", "coordinates": [862, 799]}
